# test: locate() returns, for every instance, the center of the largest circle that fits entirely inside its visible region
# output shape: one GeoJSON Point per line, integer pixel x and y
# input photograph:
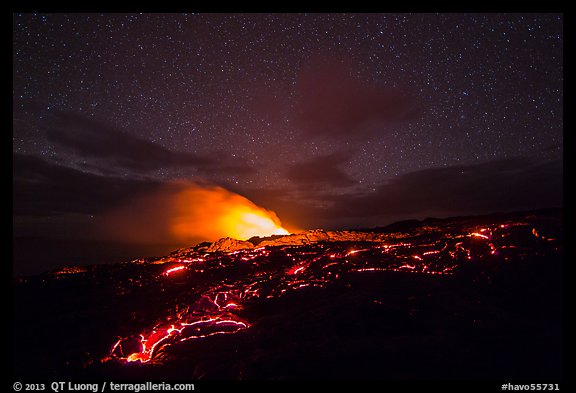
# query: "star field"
{"type": "Point", "coordinates": [488, 86]}
{"type": "Point", "coordinates": [295, 111]}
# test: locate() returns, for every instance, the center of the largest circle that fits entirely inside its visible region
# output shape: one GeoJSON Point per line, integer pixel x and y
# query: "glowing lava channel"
{"type": "Point", "coordinates": [306, 267]}
{"type": "Point", "coordinates": [151, 343]}
{"type": "Point", "coordinates": [174, 270]}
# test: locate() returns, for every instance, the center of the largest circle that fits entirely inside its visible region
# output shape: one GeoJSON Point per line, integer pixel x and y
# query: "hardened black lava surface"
{"type": "Point", "coordinates": [463, 298]}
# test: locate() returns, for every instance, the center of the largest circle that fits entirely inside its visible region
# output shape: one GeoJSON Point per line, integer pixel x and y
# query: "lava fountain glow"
{"type": "Point", "coordinates": [186, 213]}
{"type": "Point", "coordinates": [217, 213]}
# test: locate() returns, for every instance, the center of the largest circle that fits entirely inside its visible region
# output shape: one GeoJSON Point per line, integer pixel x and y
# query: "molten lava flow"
{"type": "Point", "coordinates": [174, 269]}
{"type": "Point", "coordinates": [216, 289]}
{"type": "Point", "coordinates": [150, 343]}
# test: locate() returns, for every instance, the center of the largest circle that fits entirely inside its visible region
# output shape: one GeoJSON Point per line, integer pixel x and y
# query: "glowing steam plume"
{"type": "Point", "coordinates": [187, 213]}
{"type": "Point", "coordinates": [214, 212]}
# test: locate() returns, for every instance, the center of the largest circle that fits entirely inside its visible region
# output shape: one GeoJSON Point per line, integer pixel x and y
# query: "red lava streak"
{"type": "Point", "coordinates": [151, 342]}
{"type": "Point", "coordinates": [173, 270]}
{"type": "Point", "coordinates": [216, 296]}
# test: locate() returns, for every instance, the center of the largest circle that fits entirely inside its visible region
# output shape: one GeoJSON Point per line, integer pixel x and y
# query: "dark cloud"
{"type": "Point", "coordinates": [514, 184]}
{"type": "Point", "coordinates": [43, 189]}
{"type": "Point", "coordinates": [506, 185]}
{"type": "Point", "coordinates": [334, 102]}
{"type": "Point", "coordinates": [321, 171]}
{"type": "Point", "coordinates": [116, 148]}
{"type": "Point", "coordinates": [56, 200]}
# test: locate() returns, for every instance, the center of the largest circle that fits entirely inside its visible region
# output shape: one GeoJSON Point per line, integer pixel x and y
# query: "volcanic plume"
{"type": "Point", "coordinates": [186, 212]}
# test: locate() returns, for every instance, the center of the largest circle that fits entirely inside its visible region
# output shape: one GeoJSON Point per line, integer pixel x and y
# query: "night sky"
{"type": "Point", "coordinates": [330, 120]}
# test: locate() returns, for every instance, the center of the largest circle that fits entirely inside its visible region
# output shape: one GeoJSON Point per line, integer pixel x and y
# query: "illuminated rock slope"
{"type": "Point", "coordinates": [385, 303]}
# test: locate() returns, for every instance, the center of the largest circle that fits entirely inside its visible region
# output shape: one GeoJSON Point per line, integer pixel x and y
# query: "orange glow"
{"type": "Point", "coordinates": [214, 212]}
{"type": "Point", "coordinates": [184, 213]}
{"type": "Point", "coordinates": [476, 234]}
{"type": "Point", "coordinates": [296, 269]}
{"type": "Point", "coordinates": [157, 337]}
{"type": "Point", "coordinates": [352, 252]}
